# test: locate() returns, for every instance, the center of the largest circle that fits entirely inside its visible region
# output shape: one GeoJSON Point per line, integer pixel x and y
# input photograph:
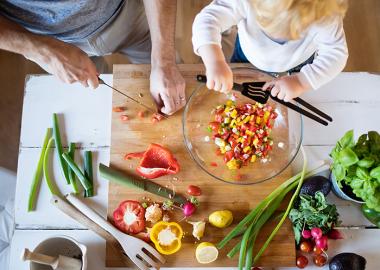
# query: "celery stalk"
{"type": "Point", "coordinates": [34, 188]}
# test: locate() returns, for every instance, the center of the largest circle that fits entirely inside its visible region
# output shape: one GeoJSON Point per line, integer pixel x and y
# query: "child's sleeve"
{"type": "Point", "coordinates": [214, 19]}
{"type": "Point", "coordinates": [331, 56]}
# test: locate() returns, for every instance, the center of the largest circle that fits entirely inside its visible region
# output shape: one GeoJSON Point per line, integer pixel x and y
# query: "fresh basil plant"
{"type": "Point", "coordinates": [357, 164]}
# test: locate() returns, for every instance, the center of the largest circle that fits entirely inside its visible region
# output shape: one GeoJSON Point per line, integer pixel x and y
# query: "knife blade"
{"type": "Point", "coordinates": [131, 98]}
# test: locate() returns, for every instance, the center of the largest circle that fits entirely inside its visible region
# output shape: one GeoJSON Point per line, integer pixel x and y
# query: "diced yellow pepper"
{"type": "Point", "coordinates": [266, 116]}
{"type": "Point", "coordinates": [248, 132]}
{"type": "Point", "coordinates": [246, 149]}
{"type": "Point", "coordinates": [229, 103]}
{"type": "Point", "coordinates": [258, 120]}
{"type": "Point", "coordinates": [246, 120]}
{"type": "Point", "coordinates": [255, 141]}
{"type": "Point", "coordinates": [222, 150]}
{"type": "Point", "coordinates": [234, 113]}
{"type": "Point", "coordinates": [232, 164]}
{"type": "Point", "coordinates": [253, 158]}
{"type": "Point", "coordinates": [233, 122]}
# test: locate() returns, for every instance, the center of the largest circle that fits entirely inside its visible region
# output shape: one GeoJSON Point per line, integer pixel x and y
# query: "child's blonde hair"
{"type": "Point", "coordinates": [291, 17]}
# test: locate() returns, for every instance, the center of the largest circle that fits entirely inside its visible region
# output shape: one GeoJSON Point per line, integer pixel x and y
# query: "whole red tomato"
{"type": "Point", "coordinates": [302, 261]}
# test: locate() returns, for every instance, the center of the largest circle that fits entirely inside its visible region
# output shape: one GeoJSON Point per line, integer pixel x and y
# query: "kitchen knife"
{"type": "Point", "coordinates": [131, 98]}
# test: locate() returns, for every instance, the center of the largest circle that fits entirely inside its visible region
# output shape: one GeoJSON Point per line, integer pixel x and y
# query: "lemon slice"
{"type": "Point", "coordinates": [206, 253]}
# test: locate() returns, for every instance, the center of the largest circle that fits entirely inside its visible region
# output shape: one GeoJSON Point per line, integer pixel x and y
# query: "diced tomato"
{"type": "Point", "coordinates": [214, 126]}
{"type": "Point", "coordinates": [118, 109]}
{"type": "Point", "coordinates": [213, 164]}
{"type": "Point", "coordinates": [219, 118]}
{"type": "Point", "coordinates": [141, 114]}
{"type": "Point", "coordinates": [124, 117]}
{"type": "Point", "coordinates": [218, 152]}
{"type": "Point", "coordinates": [228, 156]}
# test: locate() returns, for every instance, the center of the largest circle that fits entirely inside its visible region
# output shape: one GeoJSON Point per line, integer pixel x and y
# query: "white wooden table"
{"type": "Point", "coordinates": [353, 99]}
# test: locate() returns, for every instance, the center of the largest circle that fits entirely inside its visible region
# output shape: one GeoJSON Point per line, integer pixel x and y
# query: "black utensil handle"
{"type": "Point", "coordinates": [201, 78]}
{"type": "Point", "coordinates": [313, 109]}
{"type": "Point", "coordinates": [300, 110]}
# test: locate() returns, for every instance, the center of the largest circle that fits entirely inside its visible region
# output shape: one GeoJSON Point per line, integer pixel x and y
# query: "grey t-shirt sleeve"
{"type": "Point", "coordinates": [67, 20]}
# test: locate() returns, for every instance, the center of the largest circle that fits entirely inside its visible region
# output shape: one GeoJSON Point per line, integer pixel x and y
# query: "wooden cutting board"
{"type": "Point", "coordinates": [136, 134]}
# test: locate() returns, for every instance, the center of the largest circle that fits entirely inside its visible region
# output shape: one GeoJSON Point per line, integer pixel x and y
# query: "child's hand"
{"type": "Point", "coordinates": [219, 74]}
{"type": "Point", "coordinates": [287, 88]}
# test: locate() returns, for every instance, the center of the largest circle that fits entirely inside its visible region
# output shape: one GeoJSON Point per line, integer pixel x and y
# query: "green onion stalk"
{"type": "Point", "coordinates": [36, 182]}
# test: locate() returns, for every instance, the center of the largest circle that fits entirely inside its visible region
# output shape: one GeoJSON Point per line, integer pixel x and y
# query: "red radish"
{"type": "Point", "coordinates": [306, 234]}
{"type": "Point", "coordinates": [335, 234]}
{"type": "Point", "coordinates": [321, 242]}
{"type": "Point", "coordinates": [316, 233]}
{"type": "Point", "coordinates": [189, 209]}
{"type": "Point", "coordinates": [194, 190]}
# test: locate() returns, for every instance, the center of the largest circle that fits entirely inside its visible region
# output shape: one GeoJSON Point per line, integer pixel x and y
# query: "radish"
{"type": "Point", "coordinates": [189, 209]}
{"type": "Point", "coordinates": [335, 234]}
{"type": "Point", "coordinates": [316, 233]}
{"type": "Point", "coordinates": [321, 242]}
{"type": "Point", "coordinates": [306, 234]}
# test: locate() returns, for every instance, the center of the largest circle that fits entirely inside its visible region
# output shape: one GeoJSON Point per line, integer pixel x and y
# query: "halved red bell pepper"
{"type": "Point", "coordinates": [157, 161]}
{"type": "Point", "coordinates": [129, 217]}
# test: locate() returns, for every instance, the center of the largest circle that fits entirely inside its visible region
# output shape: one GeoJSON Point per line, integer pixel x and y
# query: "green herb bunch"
{"type": "Point", "coordinates": [358, 165]}
{"type": "Point", "coordinates": [313, 212]}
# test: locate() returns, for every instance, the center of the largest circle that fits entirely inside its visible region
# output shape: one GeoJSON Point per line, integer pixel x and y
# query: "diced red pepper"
{"type": "Point", "coordinates": [118, 109]}
{"type": "Point", "coordinates": [124, 117]}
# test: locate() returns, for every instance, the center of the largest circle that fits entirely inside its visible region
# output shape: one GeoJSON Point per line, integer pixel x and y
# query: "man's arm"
{"type": "Point", "coordinates": [66, 61]}
{"type": "Point", "coordinates": [166, 82]}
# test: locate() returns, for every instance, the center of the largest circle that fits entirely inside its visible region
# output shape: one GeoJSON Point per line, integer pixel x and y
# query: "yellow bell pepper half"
{"type": "Point", "coordinates": [166, 237]}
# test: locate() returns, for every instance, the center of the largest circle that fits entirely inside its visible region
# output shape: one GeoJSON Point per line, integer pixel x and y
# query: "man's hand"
{"type": "Point", "coordinates": [288, 87]}
{"type": "Point", "coordinates": [66, 61]}
{"type": "Point", "coordinates": [167, 87]}
{"type": "Point", "coordinates": [69, 63]}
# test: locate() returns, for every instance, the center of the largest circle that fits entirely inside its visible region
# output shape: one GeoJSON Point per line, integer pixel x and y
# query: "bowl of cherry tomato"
{"type": "Point", "coordinates": [237, 140]}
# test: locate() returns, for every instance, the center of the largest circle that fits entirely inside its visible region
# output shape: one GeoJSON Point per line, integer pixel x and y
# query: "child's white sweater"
{"type": "Point", "coordinates": [327, 40]}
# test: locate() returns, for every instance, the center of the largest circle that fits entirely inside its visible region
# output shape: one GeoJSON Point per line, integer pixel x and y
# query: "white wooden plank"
{"type": "Point", "coordinates": [348, 87]}
{"type": "Point", "coordinates": [362, 117]}
{"type": "Point", "coordinates": [85, 113]}
{"type": "Point", "coordinates": [362, 242]}
{"type": "Point", "coordinates": [46, 215]}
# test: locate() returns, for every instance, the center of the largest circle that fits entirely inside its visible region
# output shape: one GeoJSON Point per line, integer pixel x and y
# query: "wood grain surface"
{"type": "Point", "coordinates": [136, 134]}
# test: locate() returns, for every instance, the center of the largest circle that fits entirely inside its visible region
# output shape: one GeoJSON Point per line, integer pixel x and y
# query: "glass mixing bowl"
{"type": "Point", "coordinates": [286, 134]}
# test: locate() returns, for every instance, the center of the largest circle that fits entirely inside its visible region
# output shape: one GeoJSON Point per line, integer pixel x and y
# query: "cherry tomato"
{"type": "Point", "coordinates": [194, 190]}
{"type": "Point", "coordinates": [124, 117]}
{"type": "Point", "coordinates": [302, 261]}
{"type": "Point", "coordinates": [306, 246]}
{"type": "Point", "coordinates": [319, 260]}
{"type": "Point", "coordinates": [118, 109]}
{"type": "Point", "coordinates": [317, 250]}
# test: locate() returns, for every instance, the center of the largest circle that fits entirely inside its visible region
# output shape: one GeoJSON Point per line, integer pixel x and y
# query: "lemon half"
{"type": "Point", "coordinates": [206, 253]}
